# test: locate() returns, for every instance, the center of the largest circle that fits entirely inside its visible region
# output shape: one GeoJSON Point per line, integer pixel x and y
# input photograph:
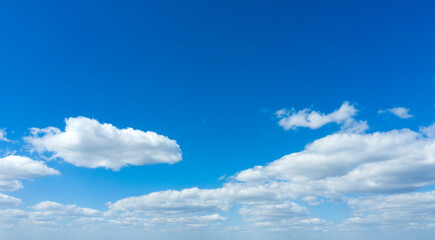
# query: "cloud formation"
{"type": "Point", "coordinates": [314, 120]}
{"type": "Point", "coordinates": [13, 168]}
{"type": "Point", "coordinates": [88, 143]}
{"type": "Point", "coordinates": [48, 213]}
{"type": "Point", "coordinates": [329, 169]}
{"type": "Point", "coordinates": [6, 201]}
{"type": "Point", "coordinates": [381, 162]}
{"type": "Point", "coordinates": [375, 174]}
{"type": "Point", "coordinates": [406, 210]}
{"type": "Point", "coordinates": [3, 136]}
{"type": "Point", "coordinates": [273, 212]}
{"type": "Point", "coordinates": [400, 112]}
{"type": "Point", "coordinates": [54, 214]}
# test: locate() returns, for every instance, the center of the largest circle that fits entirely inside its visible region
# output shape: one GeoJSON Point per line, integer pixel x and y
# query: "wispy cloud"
{"type": "Point", "coordinates": [291, 119]}
{"type": "Point", "coordinates": [3, 136]}
{"type": "Point", "coordinates": [400, 112]}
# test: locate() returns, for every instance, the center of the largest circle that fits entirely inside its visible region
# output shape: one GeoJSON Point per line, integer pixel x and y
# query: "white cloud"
{"type": "Point", "coordinates": [428, 131]}
{"type": "Point", "coordinates": [329, 168]}
{"type": "Point", "coordinates": [49, 208]}
{"type": "Point", "coordinates": [88, 143]}
{"type": "Point", "coordinates": [333, 167]}
{"type": "Point", "coordinates": [6, 201]}
{"type": "Point", "coordinates": [10, 185]}
{"type": "Point", "coordinates": [406, 210]}
{"type": "Point", "coordinates": [48, 213]}
{"type": "Point", "coordinates": [272, 212]}
{"type": "Point", "coordinates": [400, 112]}
{"type": "Point", "coordinates": [353, 163]}
{"type": "Point", "coordinates": [314, 120]}
{"type": "Point", "coordinates": [3, 136]}
{"type": "Point", "coordinates": [195, 200]}
{"type": "Point", "coordinates": [56, 214]}
{"type": "Point", "coordinates": [13, 168]}
{"type": "Point", "coordinates": [313, 201]}
{"type": "Point", "coordinates": [186, 201]}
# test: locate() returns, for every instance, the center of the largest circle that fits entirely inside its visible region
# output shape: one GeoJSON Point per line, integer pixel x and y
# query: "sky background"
{"type": "Point", "coordinates": [211, 75]}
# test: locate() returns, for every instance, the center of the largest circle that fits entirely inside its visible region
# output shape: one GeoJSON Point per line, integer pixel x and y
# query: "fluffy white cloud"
{"type": "Point", "coordinates": [406, 210]}
{"type": "Point", "coordinates": [138, 219]}
{"type": "Point", "coordinates": [428, 131]}
{"type": "Point", "coordinates": [3, 136]}
{"type": "Point", "coordinates": [88, 143]}
{"type": "Point", "coordinates": [273, 212]}
{"type": "Point", "coordinates": [195, 200]}
{"type": "Point", "coordinates": [13, 168]}
{"type": "Point", "coordinates": [400, 112]}
{"type": "Point", "coordinates": [175, 202]}
{"type": "Point", "coordinates": [6, 200]}
{"type": "Point", "coordinates": [329, 168]}
{"type": "Point", "coordinates": [48, 213]}
{"type": "Point", "coordinates": [272, 196]}
{"type": "Point", "coordinates": [312, 119]}
{"type": "Point", "coordinates": [57, 214]}
{"type": "Point", "coordinates": [49, 208]}
{"type": "Point", "coordinates": [354, 163]}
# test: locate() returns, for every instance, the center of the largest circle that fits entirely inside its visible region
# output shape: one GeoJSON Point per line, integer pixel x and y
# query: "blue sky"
{"type": "Point", "coordinates": [341, 92]}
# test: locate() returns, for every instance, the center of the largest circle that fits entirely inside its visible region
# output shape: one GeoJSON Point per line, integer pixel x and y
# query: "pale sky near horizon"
{"type": "Point", "coordinates": [217, 120]}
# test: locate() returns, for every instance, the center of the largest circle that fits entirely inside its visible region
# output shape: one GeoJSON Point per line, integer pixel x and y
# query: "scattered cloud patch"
{"type": "Point", "coordinates": [13, 168]}
{"type": "Point", "coordinates": [375, 174]}
{"type": "Point", "coordinates": [3, 136]}
{"type": "Point", "coordinates": [290, 119]}
{"type": "Point", "coordinates": [393, 211]}
{"type": "Point", "coordinates": [273, 212]}
{"type": "Point", "coordinates": [329, 169]}
{"type": "Point", "coordinates": [428, 131]}
{"type": "Point", "coordinates": [48, 213]}
{"type": "Point", "coordinates": [341, 163]}
{"type": "Point", "coordinates": [400, 112]}
{"type": "Point", "coordinates": [6, 201]}
{"type": "Point", "coordinates": [54, 214]}
{"type": "Point", "coordinates": [87, 143]}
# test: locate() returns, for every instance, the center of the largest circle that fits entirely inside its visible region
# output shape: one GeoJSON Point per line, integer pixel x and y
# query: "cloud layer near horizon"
{"type": "Point", "coordinates": [333, 168]}
{"type": "Point", "coordinates": [375, 174]}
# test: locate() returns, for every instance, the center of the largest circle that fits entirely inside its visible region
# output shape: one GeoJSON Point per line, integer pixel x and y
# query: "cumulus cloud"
{"type": "Point", "coordinates": [381, 162]}
{"type": "Point", "coordinates": [13, 168]}
{"type": "Point", "coordinates": [3, 136]}
{"type": "Point", "coordinates": [400, 112]}
{"type": "Point", "coordinates": [48, 213]}
{"type": "Point", "coordinates": [172, 201]}
{"type": "Point", "coordinates": [266, 200]}
{"type": "Point", "coordinates": [406, 210]}
{"type": "Point", "coordinates": [373, 173]}
{"type": "Point", "coordinates": [314, 120]}
{"type": "Point", "coordinates": [428, 131]}
{"type": "Point", "coordinates": [142, 220]}
{"type": "Point", "coordinates": [257, 203]}
{"type": "Point", "coordinates": [329, 169]}
{"type": "Point", "coordinates": [195, 200]}
{"type": "Point", "coordinates": [6, 201]}
{"type": "Point", "coordinates": [58, 209]}
{"type": "Point", "coordinates": [273, 212]}
{"type": "Point", "coordinates": [87, 143]}
{"type": "Point", "coordinates": [56, 214]}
